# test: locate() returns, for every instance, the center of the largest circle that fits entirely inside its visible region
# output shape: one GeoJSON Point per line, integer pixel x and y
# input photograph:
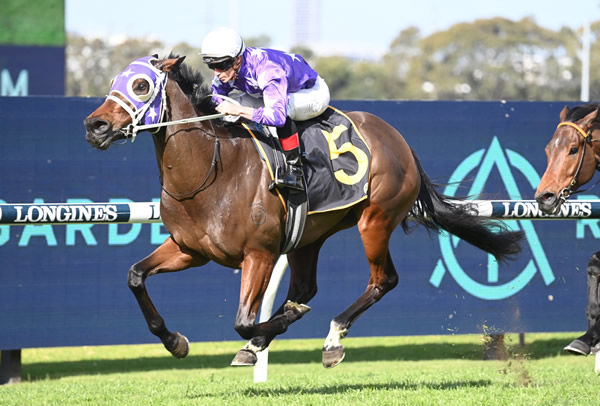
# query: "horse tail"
{"type": "Point", "coordinates": [436, 211]}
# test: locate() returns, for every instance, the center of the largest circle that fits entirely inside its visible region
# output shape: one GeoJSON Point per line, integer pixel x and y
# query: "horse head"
{"type": "Point", "coordinates": [572, 155]}
{"type": "Point", "coordinates": [135, 102]}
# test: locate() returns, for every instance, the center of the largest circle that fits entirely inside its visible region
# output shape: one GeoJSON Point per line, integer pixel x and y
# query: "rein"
{"type": "Point", "coordinates": [213, 168]}
{"type": "Point", "coordinates": [130, 132]}
{"type": "Point", "coordinates": [137, 128]}
{"type": "Point", "coordinates": [587, 139]}
{"type": "Point", "coordinates": [216, 152]}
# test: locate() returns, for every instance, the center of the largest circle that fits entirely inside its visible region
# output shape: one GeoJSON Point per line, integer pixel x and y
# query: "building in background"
{"type": "Point", "coordinates": [306, 22]}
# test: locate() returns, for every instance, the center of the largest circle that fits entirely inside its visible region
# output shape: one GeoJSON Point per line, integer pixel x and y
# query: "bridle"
{"type": "Point", "coordinates": [139, 113]}
{"type": "Point", "coordinates": [143, 104]}
{"type": "Point", "coordinates": [587, 140]}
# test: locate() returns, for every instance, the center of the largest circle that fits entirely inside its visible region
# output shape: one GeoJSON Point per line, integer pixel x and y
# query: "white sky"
{"type": "Point", "coordinates": [367, 26]}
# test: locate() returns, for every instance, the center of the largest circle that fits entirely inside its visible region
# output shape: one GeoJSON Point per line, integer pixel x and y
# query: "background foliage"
{"type": "Point", "coordinates": [27, 23]}
{"type": "Point", "coordinates": [488, 59]}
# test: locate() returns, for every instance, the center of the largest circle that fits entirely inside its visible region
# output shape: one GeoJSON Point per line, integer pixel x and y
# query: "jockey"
{"type": "Point", "coordinates": [277, 88]}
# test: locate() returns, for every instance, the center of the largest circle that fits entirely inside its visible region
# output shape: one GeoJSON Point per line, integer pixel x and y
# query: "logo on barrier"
{"type": "Point", "coordinates": [77, 219]}
{"type": "Point", "coordinates": [503, 160]}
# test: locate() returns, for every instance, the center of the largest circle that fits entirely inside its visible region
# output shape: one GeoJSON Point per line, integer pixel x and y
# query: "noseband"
{"type": "Point", "coordinates": [587, 139]}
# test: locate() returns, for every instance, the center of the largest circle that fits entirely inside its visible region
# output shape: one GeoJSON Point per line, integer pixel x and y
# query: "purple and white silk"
{"type": "Point", "coordinates": [147, 108]}
{"type": "Point", "coordinates": [272, 75]}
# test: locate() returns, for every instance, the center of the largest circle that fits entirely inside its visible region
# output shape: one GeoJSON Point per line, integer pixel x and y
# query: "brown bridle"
{"type": "Point", "coordinates": [587, 139]}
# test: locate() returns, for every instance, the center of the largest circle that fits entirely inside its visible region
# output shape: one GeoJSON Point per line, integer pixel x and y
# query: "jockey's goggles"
{"type": "Point", "coordinates": [218, 63]}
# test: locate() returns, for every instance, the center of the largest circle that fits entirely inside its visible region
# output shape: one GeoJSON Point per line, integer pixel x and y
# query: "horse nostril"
{"type": "Point", "coordinates": [97, 125]}
{"type": "Point", "coordinates": [546, 198]}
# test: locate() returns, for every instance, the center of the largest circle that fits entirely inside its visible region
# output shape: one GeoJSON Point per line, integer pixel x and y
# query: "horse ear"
{"type": "Point", "coordinates": [563, 113]}
{"type": "Point", "coordinates": [589, 119]}
{"type": "Point", "coordinates": [167, 65]}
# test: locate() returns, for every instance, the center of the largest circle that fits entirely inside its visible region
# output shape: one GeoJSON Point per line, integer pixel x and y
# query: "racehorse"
{"type": "Point", "coordinates": [573, 156]}
{"type": "Point", "coordinates": [214, 182]}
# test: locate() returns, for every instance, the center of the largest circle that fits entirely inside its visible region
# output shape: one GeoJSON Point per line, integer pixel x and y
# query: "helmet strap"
{"type": "Point", "coordinates": [237, 61]}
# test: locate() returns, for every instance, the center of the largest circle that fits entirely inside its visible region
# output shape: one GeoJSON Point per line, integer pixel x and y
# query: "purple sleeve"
{"type": "Point", "coordinates": [273, 81]}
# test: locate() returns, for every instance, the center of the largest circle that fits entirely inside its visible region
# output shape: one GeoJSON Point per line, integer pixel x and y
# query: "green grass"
{"type": "Point", "coordinates": [428, 370]}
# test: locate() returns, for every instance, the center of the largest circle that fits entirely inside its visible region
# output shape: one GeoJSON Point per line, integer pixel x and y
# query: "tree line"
{"type": "Point", "coordinates": [488, 59]}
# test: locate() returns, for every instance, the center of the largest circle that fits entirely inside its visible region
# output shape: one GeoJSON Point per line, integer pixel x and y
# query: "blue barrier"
{"type": "Point", "coordinates": [65, 284]}
{"type": "Point", "coordinates": [79, 213]}
{"type": "Point", "coordinates": [528, 209]}
{"type": "Point", "coordinates": [149, 212]}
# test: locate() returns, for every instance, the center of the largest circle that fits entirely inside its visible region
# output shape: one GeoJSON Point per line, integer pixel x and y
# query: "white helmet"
{"type": "Point", "coordinates": [220, 44]}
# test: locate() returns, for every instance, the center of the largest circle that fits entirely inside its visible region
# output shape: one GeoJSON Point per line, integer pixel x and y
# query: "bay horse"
{"type": "Point", "coordinates": [573, 156]}
{"type": "Point", "coordinates": [213, 178]}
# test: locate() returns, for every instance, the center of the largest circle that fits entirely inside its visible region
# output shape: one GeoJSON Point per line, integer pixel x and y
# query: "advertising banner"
{"type": "Point", "coordinates": [66, 284]}
{"type": "Point", "coordinates": [32, 70]}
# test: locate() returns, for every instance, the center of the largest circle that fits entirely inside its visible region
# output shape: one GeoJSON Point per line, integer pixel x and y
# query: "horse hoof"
{"type": "Point", "coordinates": [182, 348]}
{"type": "Point", "coordinates": [333, 356]}
{"type": "Point", "coordinates": [300, 309]}
{"type": "Point", "coordinates": [244, 358]}
{"type": "Point", "coordinates": [578, 347]}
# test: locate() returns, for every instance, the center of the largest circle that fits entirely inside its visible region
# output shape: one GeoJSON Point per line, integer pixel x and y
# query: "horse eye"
{"type": "Point", "coordinates": [141, 87]}
{"type": "Point", "coordinates": [573, 150]}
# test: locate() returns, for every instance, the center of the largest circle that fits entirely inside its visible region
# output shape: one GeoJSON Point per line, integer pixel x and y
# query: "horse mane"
{"type": "Point", "coordinates": [579, 112]}
{"type": "Point", "coordinates": [192, 84]}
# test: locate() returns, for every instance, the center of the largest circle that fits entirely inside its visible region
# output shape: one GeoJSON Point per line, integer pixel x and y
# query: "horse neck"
{"type": "Point", "coordinates": [184, 151]}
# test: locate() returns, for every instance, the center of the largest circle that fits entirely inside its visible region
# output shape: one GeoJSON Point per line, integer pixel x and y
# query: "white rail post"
{"type": "Point", "coordinates": [262, 362]}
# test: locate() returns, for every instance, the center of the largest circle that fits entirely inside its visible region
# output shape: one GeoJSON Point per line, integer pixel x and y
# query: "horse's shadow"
{"type": "Point", "coordinates": [423, 352]}
{"type": "Point", "coordinates": [407, 352]}
{"type": "Point", "coordinates": [257, 391]}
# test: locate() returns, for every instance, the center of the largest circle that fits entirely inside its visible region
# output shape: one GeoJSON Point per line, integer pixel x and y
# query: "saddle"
{"type": "Point", "coordinates": [336, 162]}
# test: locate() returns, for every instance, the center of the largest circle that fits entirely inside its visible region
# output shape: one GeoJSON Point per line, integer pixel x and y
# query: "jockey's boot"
{"type": "Point", "coordinates": [292, 176]}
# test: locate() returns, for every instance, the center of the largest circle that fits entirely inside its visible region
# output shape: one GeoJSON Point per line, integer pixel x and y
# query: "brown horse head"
{"type": "Point", "coordinates": [135, 99]}
{"type": "Point", "coordinates": [572, 157]}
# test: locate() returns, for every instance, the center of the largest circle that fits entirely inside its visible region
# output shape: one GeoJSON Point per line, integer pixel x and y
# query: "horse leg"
{"type": "Point", "coordinates": [585, 344]}
{"type": "Point", "coordinates": [166, 258]}
{"type": "Point", "coordinates": [302, 288]}
{"type": "Point", "coordinates": [375, 229]}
